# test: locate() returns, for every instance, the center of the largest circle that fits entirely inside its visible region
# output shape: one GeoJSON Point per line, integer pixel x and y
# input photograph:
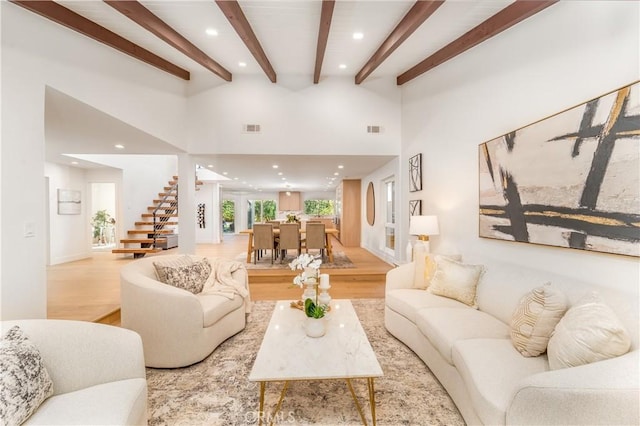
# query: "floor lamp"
{"type": "Point", "coordinates": [423, 227]}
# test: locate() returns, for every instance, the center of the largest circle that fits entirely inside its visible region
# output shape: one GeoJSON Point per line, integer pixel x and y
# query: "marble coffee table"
{"type": "Point", "coordinates": [287, 354]}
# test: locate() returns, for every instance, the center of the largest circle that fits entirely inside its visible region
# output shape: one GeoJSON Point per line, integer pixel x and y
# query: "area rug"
{"type": "Point", "coordinates": [340, 261]}
{"type": "Point", "coordinates": [217, 391]}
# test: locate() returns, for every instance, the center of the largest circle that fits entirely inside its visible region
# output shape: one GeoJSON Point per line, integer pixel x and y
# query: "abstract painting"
{"type": "Point", "coordinates": [571, 180]}
{"type": "Point", "coordinates": [69, 201]}
{"type": "Point", "coordinates": [415, 173]}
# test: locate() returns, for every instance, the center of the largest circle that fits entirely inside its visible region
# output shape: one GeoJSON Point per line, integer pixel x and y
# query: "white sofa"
{"type": "Point", "coordinates": [471, 353]}
{"type": "Point", "coordinates": [97, 371]}
{"type": "Point", "coordinates": [178, 328]}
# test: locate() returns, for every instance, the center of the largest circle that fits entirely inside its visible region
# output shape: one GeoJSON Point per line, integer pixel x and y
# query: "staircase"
{"type": "Point", "coordinates": [150, 232]}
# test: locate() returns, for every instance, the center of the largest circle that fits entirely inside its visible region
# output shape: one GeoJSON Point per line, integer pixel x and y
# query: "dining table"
{"type": "Point", "coordinates": [328, 232]}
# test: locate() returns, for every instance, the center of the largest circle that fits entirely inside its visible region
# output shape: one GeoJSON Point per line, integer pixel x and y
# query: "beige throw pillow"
{"type": "Point", "coordinates": [535, 317]}
{"type": "Point", "coordinates": [171, 263]}
{"type": "Point", "coordinates": [588, 332]}
{"type": "Point", "coordinates": [191, 277]}
{"type": "Point", "coordinates": [425, 268]}
{"type": "Point", "coordinates": [456, 280]}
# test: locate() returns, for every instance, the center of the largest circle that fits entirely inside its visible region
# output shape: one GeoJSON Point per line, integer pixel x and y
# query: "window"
{"type": "Point", "coordinates": [261, 211]}
{"type": "Point", "coordinates": [228, 216]}
{"type": "Point", "coordinates": [319, 207]}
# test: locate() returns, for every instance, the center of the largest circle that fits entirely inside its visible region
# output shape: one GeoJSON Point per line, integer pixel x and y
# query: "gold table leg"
{"type": "Point", "coordinates": [275, 411]}
{"type": "Point", "coordinates": [261, 412]}
{"type": "Point", "coordinates": [372, 401]}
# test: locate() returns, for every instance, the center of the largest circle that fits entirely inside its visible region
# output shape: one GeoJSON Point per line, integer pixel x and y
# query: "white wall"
{"type": "Point", "coordinates": [570, 53]}
{"type": "Point", "coordinates": [296, 117]}
{"type": "Point", "coordinates": [37, 53]}
{"type": "Point", "coordinates": [209, 195]}
{"type": "Point", "coordinates": [143, 177]}
{"type": "Point", "coordinates": [373, 237]}
{"type": "Point", "coordinates": [69, 235]}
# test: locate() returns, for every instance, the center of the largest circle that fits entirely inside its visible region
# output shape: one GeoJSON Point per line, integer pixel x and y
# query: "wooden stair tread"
{"type": "Point", "coordinates": [136, 250]}
{"type": "Point", "coordinates": [152, 208]}
{"type": "Point", "coordinates": [169, 201]}
{"type": "Point", "coordinates": [150, 231]}
{"type": "Point", "coordinates": [159, 215]}
{"type": "Point", "coordinates": [143, 240]}
{"type": "Point", "coordinates": [150, 223]}
{"type": "Point", "coordinates": [166, 194]}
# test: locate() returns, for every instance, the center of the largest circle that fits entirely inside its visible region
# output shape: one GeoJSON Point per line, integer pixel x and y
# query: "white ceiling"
{"type": "Point", "coordinates": [288, 33]}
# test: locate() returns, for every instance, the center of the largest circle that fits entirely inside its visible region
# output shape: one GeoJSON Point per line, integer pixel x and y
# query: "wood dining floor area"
{"type": "Point", "coordinates": [89, 289]}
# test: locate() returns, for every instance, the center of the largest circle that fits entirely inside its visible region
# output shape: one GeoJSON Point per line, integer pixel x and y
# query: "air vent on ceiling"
{"type": "Point", "coordinates": [251, 128]}
{"type": "Point", "coordinates": [374, 129]}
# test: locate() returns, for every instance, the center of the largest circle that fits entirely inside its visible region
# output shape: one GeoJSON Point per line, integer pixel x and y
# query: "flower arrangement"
{"type": "Point", "coordinates": [292, 218]}
{"type": "Point", "coordinates": [309, 266]}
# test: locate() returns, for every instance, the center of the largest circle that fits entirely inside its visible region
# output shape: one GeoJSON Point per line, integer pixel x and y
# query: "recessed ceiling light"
{"type": "Point", "coordinates": [235, 178]}
{"type": "Point", "coordinates": [210, 165]}
{"type": "Point", "coordinates": [340, 166]}
{"type": "Point", "coordinates": [342, 66]}
{"type": "Point", "coordinates": [279, 173]}
{"type": "Point", "coordinates": [336, 174]}
{"type": "Point", "coordinates": [74, 162]}
{"type": "Point", "coordinates": [211, 32]}
{"type": "Point", "coordinates": [358, 36]}
{"type": "Point", "coordinates": [275, 166]}
{"type": "Point", "coordinates": [284, 178]}
{"type": "Point", "coordinates": [242, 64]}
{"type": "Point", "coordinates": [118, 146]}
{"type": "Point", "coordinates": [225, 173]}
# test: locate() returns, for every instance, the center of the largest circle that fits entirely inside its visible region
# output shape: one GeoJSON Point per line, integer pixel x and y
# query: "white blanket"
{"type": "Point", "coordinates": [222, 283]}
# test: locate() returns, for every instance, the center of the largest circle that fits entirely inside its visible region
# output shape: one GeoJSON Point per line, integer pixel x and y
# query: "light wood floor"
{"type": "Point", "coordinates": [89, 289]}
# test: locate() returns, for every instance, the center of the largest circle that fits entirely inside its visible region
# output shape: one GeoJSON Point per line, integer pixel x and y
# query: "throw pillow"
{"type": "Point", "coordinates": [171, 263]}
{"type": "Point", "coordinates": [191, 277]}
{"type": "Point", "coordinates": [456, 280]}
{"type": "Point", "coordinates": [535, 317]}
{"type": "Point", "coordinates": [425, 268]}
{"type": "Point", "coordinates": [24, 380]}
{"type": "Point", "coordinates": [588, 332]}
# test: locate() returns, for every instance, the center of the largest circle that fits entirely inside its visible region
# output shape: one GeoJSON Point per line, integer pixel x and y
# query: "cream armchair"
{"type": "Point", "coordinates": [97, 372]}
{"type": "Point", "coordinates": [178, 328]}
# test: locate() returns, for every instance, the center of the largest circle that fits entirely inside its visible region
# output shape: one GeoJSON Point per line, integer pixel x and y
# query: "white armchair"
{"type": "Point", "coordinates": [97, 372]}
{"type": "Point", "coordinates": [178, 328]}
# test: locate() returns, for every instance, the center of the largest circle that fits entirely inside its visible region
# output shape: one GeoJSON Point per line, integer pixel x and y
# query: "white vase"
{"type": "Point", "coordinates": [315, 327]}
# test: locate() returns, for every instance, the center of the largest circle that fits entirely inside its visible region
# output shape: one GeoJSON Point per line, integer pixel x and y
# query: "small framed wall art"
{"type": "Point", "coordinates": [415, 207]}
{"type": "Point", "coordinates": [69, 201]}
{"type": "Point", "coordinates": [415, 173]}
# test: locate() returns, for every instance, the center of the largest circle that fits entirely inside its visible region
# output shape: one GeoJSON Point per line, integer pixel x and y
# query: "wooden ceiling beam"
{"type": "Point", "coordinates": [68, 18]}
{"type": "Point", "coordinates": [416, 16]}
{"type": "Point", "coordinates": [323, 35]}
{"type": "Point", "coordinates": [238, 21]}
{"type": "Point", "coordinates": [506, 18]}
{"type": "Point", "coordinates": [147, 20]}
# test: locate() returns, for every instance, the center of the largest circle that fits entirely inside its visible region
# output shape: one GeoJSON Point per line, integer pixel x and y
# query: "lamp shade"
{"type": "Point", "coordinates": [424, 225]}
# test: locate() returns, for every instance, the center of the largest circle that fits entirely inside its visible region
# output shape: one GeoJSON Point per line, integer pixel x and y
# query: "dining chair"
{"type": "Point", "coordinates": [289, 239]}
{"type": "Point", "coordinates": [262, 240]}
{"type": "Point", "coordinates": [315, 238]}
{"type": "Point", "coordinates": [275, 223]}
